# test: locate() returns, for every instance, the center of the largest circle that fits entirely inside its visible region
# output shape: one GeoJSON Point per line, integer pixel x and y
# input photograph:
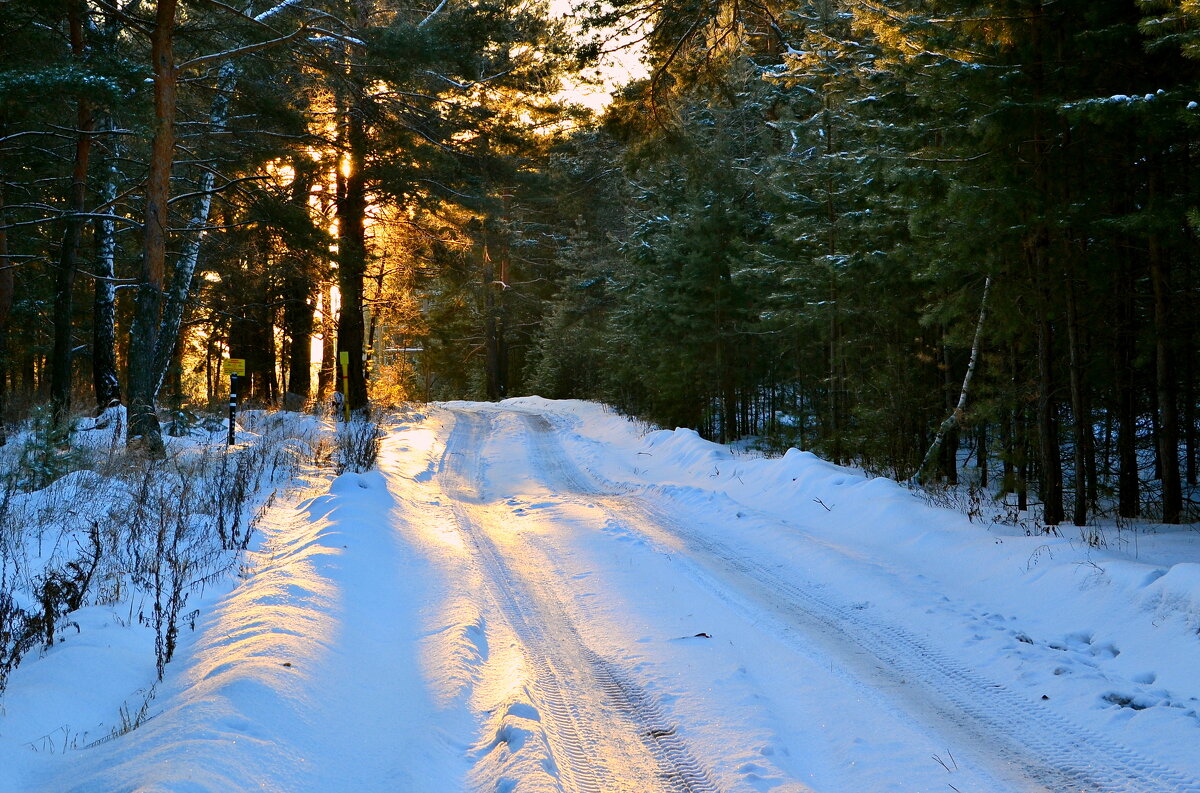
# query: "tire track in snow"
{"type": "Point", "coordinates": [1045, 748]}
{"type": "Point", "coordinates": [621, 742]}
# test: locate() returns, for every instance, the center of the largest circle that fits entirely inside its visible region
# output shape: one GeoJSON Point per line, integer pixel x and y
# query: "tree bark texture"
{"type": "Point", "coordinates": [1049, 460]}
{"type": "Point", "coordinates": [1128, 480]}
{"type": "Point", "coordinates": [144, 429]}
{"type": "Point", "coordinates": [175, 298]}
{"type": "Point", "coordinates": [352, 251]}
{"type": "Point", "coordinates": [1081, 420]}
{"type": "Point", "coordinates": [493, 330]}
{"type": "Point", "coordinates": [326, 375]}
{"type": "Point", "coordinates": [68, 260]}
{"type": "Point", "coordinates": [1168, 412]}
{"type": "Point", "coordinates": [298, 306]}
{"type": "Point", "coordinates": [7, 282]}
{"type": "Point", "coordinates": [105, 381]}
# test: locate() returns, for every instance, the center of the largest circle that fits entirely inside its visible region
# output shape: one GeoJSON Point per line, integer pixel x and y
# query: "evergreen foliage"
{"type": "Point", "coordinates": [783, 231]}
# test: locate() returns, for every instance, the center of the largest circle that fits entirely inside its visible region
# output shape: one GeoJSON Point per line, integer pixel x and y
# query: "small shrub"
{"type": "Point", "coordinates": [18, 633]}
{"type": "Point", "coordinates": [130, 529]}
{"type": "Point", "coordinates": [358, 446]}
{"type": "Point", "coordinates": [47, 454]}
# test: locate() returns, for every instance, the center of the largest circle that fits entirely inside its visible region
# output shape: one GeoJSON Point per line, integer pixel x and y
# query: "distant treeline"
{"type": "Point", "coordinates": [787, 232]}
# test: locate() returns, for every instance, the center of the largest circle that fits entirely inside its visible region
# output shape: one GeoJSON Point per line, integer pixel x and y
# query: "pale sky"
{"type": "Point", "coordinates": [617, 69]}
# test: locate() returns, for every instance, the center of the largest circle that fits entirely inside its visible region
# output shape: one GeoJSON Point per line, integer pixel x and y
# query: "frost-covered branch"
{"type": "Point", "coordinates": [324, 34]}
{"type": "Point", "coordinates": [432, 14]}
{"type": "Point", "coordinates": [69, 215]}
{"type": "Point", "coordinates": [472, 84]}
{"type": "Point", "coordinates": [217, 57]}
{"type": "Point", "coordinates": [211, 190]}
{"type": "Point", "coordinates": [276, 9]}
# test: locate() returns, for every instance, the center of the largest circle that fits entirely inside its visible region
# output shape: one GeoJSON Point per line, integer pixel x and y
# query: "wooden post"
{"type": "Point", "coordinates": [235, 368]}
{"type": "Point", "coordinates": [232, 406]}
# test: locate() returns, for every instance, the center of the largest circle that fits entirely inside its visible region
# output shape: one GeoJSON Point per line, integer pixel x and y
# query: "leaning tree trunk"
{"type": "Point", "coordinates": [185, 266]}
{"type": "Point", "coordinates": [155, 330]}
{"type": "Point", "coordinates": [954, 420]}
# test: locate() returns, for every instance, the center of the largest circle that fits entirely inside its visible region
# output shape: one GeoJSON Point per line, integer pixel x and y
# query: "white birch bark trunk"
{"type": "Point", "coordinates": [185, 267]}
{"type": "Point", "coordinates": [955, 418]}
{"type": "Point", "coordinates": [105, 381]}
{"type": "Point", "coordinates": [189, 257]}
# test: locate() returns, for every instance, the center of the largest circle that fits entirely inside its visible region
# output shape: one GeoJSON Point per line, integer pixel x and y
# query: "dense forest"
{"type": "Point", "coordinates": [928, 237]}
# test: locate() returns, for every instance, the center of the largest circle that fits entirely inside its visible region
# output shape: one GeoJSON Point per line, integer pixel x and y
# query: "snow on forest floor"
{"type": "Point", "coordinates": [541, 596]}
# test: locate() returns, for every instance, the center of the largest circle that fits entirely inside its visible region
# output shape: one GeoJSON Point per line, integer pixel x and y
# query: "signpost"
{"type": "Point", "coordinates": [235, 368]}
{"type": "Point", "coordinates": [344, 357]}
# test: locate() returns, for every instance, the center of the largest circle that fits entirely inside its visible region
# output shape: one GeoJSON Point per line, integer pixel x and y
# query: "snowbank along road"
{"type": "Point", "coordinates": [535, 596]}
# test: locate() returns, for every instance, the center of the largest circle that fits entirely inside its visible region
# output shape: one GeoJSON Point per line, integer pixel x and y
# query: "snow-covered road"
{"type": "Point", "coordinates": [536, 596]}
{"type": "Point", "coordinates": [678, 652]}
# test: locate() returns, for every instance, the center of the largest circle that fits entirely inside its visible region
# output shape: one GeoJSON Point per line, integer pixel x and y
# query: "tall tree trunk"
{"type": "Point", "coordinates": [68, 261]}
{"type": "Point", "coordinates": [492, 330]}
{"type": "Point", "coordinates": [1044, 132]}
{"type": "Point", "coordinates": [1008, 475]}
{"type": "Point", "coordinates": [1049, 458]}
{"type": "Point", "coordinates": [352, 248]}
{"type": "Point", "coordinates": [158, 315]}
{"type": "Point", "coordinates": [981, 454]}
{"type": "Point", "coordinates": [497, 264]}
{"type": "Point", "coordinates": [1022, 429]}
{"type": "Point", "coordinates": [375, 343]}
{"type": "Point", "coordinates": [144, 429]}
{"type": "Point", "coordinates": [105, 381]}
{"type": "Point", "coordinates": [1167, 436]}
{"type": "Point", "coordinates": [298, 326]}
{"type": "Point", "coordinates": [1082, 421]}
{"type": "Point", "coordinates": [729, 400]}
{"type": "Point", "coordinates": [327, 373]}
{"type": "Point", "coordinates": [7, 283]}
{"type": "Point", "coordinates": [1189, 417]}
{"type": "Point", "coordinates": [835, 403]}
{"type": "Point", "coordinates": [1128, 478]}
{"type": "Point", "coordinates": [185, 266]}
{"type": "Point", "coordinates": [261, 355]}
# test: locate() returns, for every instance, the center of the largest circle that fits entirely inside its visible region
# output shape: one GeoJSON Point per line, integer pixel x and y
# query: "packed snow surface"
{"type": "Point", "coordinates": [543, 596]}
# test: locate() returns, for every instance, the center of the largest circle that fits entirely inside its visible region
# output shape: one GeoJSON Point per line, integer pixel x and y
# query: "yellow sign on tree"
{"type": "Point", "coordinates": [235, 366]}
{"type": "Point", "coordinates": [344, 357]}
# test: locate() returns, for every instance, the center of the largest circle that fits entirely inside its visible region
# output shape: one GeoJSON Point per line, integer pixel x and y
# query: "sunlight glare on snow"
{"type": "Point", "coordinates": [278, 624]}
{"type": "Point", "coordinates": [414, 454]}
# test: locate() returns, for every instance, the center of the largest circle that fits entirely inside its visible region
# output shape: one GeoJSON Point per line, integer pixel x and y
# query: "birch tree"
{"type": "Point", "coordinates": [158, 311]}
